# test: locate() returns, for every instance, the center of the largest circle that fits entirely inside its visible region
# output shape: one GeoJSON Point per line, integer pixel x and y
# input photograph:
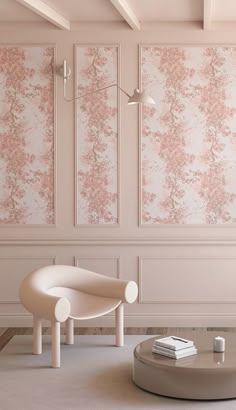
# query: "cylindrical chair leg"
{"type": "Point", "coordinates": [37, 336]}
{"type": "Point", "coordinates": [56, 344]}
{"type": "Point", "coordinates": [70, 331]}
{"type": "Point", "coordinates": [120, 325]}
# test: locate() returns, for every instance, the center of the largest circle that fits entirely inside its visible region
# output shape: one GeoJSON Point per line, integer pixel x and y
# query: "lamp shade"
{"type": "Point", "coordinates": [140, 97]}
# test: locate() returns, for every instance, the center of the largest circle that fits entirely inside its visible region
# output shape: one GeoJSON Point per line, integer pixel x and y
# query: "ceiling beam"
{"type": "Point", "coordinates": [123, 7]}
{"type": "Point", "coordinates": [47, 12]}
{"type": "Point", "coordinates": [207, 14]}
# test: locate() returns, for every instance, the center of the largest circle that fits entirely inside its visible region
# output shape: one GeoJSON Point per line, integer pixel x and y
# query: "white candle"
{"type": "Point", "coordinates": [219, 344]}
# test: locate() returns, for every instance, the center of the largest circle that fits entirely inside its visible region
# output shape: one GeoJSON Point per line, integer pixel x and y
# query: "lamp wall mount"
{"type": "Point", "coordinates": [66, 71]}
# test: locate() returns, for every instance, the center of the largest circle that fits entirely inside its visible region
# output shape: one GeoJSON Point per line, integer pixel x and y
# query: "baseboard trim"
{"type": "Point", "coordinates": [133, 321]}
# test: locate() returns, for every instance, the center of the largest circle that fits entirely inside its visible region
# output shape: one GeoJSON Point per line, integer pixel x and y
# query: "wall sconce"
{"type": "Point", "coordinates": [138, 97]}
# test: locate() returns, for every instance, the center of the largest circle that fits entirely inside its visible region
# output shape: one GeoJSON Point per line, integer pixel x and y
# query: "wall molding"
{"type": "Point", "coordinates": [54, 225]}
{"type": "Point", "coordinates": [157, 225]}
{"type": "Point", "coordinates": [116, 258]}
{"type": "Point", "coordinates": [180, 302]}
{"type": "Point", "coordinates": [76, 142]}
{"type": "Point", "coordinates": [118, 242]}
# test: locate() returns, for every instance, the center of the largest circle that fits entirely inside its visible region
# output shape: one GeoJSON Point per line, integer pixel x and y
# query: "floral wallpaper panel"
{"type": "Point", "coordinates": [26, 135]}
{"type": "Point", "coordinates": [188, 140]}
{"type": "Point", "coordinates": [97, 135]}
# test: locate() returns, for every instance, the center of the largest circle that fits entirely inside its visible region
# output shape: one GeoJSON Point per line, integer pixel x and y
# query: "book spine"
{"type": "Point", "coordinates": [172, 347]}
{"type": "Point", "coordinates": [174, 356]}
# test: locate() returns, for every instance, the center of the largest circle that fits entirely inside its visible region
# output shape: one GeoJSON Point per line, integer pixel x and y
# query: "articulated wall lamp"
{"type": "Point", "coordinates": [138, 97]}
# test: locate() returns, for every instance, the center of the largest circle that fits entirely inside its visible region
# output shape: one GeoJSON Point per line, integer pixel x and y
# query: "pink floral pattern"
{"type": "Point", "coordinates": [26, 135]}
{"type": "Point", "coordinates": [188, 138]}
{"type": "Point", "coordinates": [97, 135]}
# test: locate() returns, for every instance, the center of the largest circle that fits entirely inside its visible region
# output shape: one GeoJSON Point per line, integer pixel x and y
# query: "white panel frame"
{"type": "Point", "coordinates": [116, 258]}
{"type": "Point", "coordinates": [206, 239]}
{"type": "Point", "coordinates": [54, 225]}
{"type": "Point", "coordinates": [207, 14]}
{"type": "Point", "coordinates": [179, 302]}
{"type": "Point", "coordinates": [76, 223]}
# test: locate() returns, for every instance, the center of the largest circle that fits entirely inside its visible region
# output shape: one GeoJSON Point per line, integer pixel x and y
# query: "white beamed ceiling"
{"type": "Point", "coordinates": [85, 10]}
{"type": "Point", "coordinates": [82, 11]}
{"type": "Point", "coordinates": [168, 10]}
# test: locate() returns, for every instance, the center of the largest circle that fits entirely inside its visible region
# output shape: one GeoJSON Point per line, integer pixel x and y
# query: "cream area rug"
{"type": "Point", "coordinates": [94, 374]}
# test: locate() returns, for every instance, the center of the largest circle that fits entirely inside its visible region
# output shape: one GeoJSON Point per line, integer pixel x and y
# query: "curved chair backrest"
{"type": "Point", "coordinates": [34, 289]}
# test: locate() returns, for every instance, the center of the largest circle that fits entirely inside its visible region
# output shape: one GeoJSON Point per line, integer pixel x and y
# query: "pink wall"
{"type": "Point", "coordinates": [175, 265]}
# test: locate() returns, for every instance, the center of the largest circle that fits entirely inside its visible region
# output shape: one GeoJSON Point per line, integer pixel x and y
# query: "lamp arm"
{"type": "Point", "coordinates": [92, 92]}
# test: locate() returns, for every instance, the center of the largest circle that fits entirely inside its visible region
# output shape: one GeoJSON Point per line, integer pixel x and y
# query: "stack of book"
{"type": "Point", "coordinates": [174, 347]}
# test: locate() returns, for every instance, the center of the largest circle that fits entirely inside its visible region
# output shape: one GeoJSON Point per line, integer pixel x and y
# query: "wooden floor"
{"type": "Point", "coordinates": [6, 334]}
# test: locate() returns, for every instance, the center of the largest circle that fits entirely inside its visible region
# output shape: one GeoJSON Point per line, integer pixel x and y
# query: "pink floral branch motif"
{"type": "Point", "coordinates": [168, 145]}
{"type": "Point", "coordinates": [97, 136]}
{"type": "Point", "coordinates": [213, 105]}
{"type": "Point", "coordinates": [45, 176]}
{"type": "Point", "coordinates": [18, 169]}
{"type": "Point", "coordinates": [12, 141]}
{"type": "Point", "coordinates": [172, 170]}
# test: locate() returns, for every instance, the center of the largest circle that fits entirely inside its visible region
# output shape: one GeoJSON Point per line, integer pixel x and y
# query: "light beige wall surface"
{"type": "Point", "coordinates": [186, 274]}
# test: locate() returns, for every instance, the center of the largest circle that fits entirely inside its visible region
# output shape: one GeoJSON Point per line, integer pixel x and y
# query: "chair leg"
{"type": "Point", "coordinates": [70, 331]}
{"type": "Point", "coordinates": [56, 344]}
{"type": "Point", "coordinates": [37, 336]}
{"type": "Point", "coordinates": [120, 325]}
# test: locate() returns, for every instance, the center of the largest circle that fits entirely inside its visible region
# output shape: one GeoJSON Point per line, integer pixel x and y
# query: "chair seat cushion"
{"type": "Point", "coordinates": [83, 305]}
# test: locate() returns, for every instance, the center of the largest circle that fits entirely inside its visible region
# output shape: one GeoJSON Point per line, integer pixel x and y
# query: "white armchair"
{"type": "Point", "coordinates": [62, 293]}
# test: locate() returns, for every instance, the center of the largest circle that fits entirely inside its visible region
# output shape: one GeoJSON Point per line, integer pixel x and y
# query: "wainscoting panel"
{"type": "Point", "coordinates": [187, 280]}
{"type": "Point", "coordinates": [106, 266]}
{"type": "Point", "coordinates": [178, 285]}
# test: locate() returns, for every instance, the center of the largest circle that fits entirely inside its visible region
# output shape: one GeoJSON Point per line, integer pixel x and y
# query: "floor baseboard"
{"type": "Point", "coordinates": [6, 334]}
